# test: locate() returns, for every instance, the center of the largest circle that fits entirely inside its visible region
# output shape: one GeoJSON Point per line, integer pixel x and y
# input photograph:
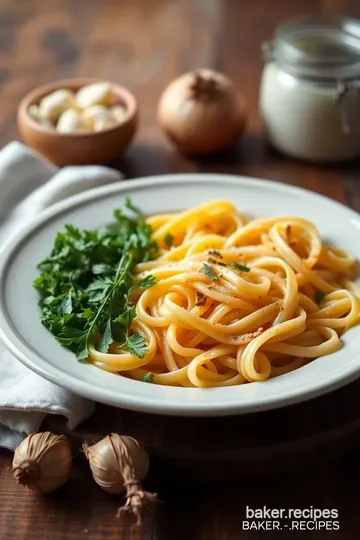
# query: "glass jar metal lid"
{"type": "Point", "coordinates": [319, 48]}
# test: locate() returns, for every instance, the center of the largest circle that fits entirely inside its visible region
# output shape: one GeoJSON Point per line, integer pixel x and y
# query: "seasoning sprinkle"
{"type": "Point", "coordinates": [200, 299]}
{"type": "Point", "coordinates": [215, 253]}
{"type": "Point", "coordinates": [213, 261]}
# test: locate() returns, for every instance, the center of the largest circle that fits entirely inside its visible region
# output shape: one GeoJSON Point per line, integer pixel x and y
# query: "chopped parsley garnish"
{"type": "Point", "coordinates": [149, 378]}
{"type": "Point", "coordinates": [168, 239]}
{"type": "Point", "coordinates": [208, 272]}
{"type": "Point", "coordinates": [129, 205]}
{"type": "Point", "coordinates": [136, 344]}
{"type": "Point", "coordinates": [86, 282]}
{"type": "Point", "coordinates": [147, 282]}
{"type": "Point", "coordinates": [319, 296]}
{"type": "Point", "coordinates": [241, 267]}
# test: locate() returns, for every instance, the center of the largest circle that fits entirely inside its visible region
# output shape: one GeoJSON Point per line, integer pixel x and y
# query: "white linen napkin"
{"type": "Point", "coordinates": [28, 185]}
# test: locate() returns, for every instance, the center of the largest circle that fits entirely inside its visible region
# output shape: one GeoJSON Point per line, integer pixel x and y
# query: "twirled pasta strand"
{"type": "Point", "coordinates": [270, 298]}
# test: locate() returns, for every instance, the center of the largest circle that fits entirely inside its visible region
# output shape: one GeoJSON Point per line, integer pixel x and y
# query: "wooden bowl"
{"type": "Point", "coordinates": [81, 148]}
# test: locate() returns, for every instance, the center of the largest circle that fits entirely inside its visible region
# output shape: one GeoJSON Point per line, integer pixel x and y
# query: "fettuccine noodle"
{"type": "Point", "coordinates": [208, 322]}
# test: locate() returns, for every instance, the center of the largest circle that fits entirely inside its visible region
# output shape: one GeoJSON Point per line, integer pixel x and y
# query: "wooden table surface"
{"type": "Point", "coordinates": [145, 44]}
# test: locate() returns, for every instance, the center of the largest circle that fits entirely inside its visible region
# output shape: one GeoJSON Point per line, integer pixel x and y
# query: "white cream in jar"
{"type": "Point", "coordinates": [310, 90]}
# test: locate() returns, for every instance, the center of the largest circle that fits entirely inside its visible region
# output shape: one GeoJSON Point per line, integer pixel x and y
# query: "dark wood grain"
{"type": "Point", "coordinates": [144, 44]}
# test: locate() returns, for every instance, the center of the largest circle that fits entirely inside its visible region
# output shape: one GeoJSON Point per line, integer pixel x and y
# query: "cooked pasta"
{"type": "Point", "coordinates": [236, 300]}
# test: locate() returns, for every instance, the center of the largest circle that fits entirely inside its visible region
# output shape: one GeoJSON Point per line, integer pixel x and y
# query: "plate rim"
{"type": "Point", "coordinates": [86, 389]}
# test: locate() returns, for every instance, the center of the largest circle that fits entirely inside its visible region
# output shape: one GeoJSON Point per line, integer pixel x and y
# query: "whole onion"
{"type": "Point", "coordinates": [42, 462]}
{"type": "Point", "coordinates": [201, 112]}
{"type": "Point", "coordinates": [118, 464]}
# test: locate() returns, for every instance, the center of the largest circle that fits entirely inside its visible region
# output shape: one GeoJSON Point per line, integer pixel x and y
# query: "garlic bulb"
{"type": "Point", "coordinates": [118, 463]}
{"type": "Point", "coordinates": [42, 462]}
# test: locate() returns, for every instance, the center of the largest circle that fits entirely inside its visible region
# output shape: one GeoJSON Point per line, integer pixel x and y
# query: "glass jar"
{"type": "Point", "coordinates": [310, 89]}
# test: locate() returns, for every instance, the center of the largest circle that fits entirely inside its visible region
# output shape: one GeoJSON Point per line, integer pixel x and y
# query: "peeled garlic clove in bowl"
{"type": "Point", "coordinates": [118, 113]}
{"type": "Point", "coordinates": [52, 105]}
{"type": "Point", "coordinates": [94, 94]}
{"type": "Point", "coordinates": [34, 113]}
{"type": "Point", "coordinates": [89, 109]}
{"type": "Point", "coordinates": [97, 117]}
{"type": "Point", "coordinates": [69, 121]}
{"type": "Point", "coordinates": [83, 145]}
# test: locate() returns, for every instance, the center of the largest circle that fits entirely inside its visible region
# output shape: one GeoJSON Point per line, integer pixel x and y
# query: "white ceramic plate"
{"type": "Point", "coordinates": [23, 333]}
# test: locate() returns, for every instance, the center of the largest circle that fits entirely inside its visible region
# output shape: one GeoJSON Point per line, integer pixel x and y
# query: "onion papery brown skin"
{"type": "Point", "coordinates": [118, 464]}
{"type": "Point", "coordinates": [201, 112]}
{"type": "Point", "coordinates": [42, 462]}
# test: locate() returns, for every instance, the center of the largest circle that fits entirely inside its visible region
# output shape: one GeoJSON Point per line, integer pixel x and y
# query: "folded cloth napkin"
{"type": "Point", "coordinates": [28, 185]}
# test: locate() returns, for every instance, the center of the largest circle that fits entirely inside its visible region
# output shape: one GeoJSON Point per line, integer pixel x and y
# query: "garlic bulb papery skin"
{"type": "Point", "coordinates": [113, 466]}
{"type": "Point", "coordinates": [42, 462]}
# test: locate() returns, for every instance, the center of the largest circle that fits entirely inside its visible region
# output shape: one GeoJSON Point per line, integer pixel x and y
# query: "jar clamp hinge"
{"type": "Point", "coordinates": [342, 91]}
